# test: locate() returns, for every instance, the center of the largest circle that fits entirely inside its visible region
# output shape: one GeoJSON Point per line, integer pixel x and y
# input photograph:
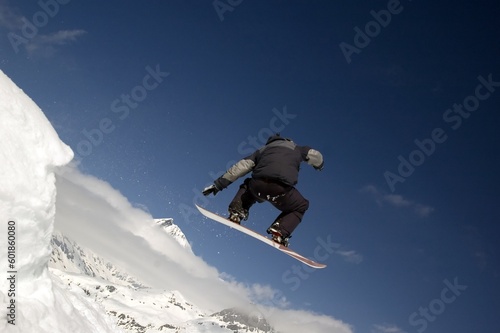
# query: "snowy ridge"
{"type": "Point", "coordinates": [134, 310]}
{"type": "Point", "coordinates": [135, 307]}
{"type": "Point", "coordinates": [69, 257]}
{"type": "Point", "coordinates": [168, 225]}
{"type": "Point", "coordinates": [237, 319]}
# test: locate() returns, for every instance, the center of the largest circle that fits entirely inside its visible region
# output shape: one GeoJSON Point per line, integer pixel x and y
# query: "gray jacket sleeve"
{"type": "Point", "coordinates": [238, 170]}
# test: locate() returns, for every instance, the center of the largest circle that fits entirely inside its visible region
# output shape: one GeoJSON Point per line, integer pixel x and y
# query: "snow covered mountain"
{"type": "Point", "coordinates": [70, 258]}
{"type": "Point", "coordinates": [134, 306]}
{"type": "Point", "coordinates": [173, 229]}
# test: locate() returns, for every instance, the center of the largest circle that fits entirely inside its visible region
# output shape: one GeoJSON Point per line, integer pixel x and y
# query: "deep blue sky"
{"type": "Point", "coordinates": [396, 245]}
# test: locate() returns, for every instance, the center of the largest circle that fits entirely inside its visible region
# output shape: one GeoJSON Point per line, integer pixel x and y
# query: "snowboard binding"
{"type": "Point", "coordinates": [275, 231]}
{"type": "Point", "coordinates": [238, 215]}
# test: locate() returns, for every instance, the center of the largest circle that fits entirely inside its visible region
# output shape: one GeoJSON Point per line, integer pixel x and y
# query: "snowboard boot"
{"type": "Point", "coordinates": [237, 214]}
{"type": "Point", "coordinates": [277, 235]}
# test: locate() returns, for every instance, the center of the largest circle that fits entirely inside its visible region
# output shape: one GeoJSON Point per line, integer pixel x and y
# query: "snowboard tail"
{"type": "Point", "coordinates": [260, 237]}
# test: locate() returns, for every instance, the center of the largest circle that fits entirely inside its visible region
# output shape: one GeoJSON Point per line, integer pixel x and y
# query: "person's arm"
{"type": "Point", "coordinates": [238, 170]}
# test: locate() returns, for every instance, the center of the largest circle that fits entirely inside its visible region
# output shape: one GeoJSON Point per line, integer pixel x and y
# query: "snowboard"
{"type": "Point", "coordinates": [260, 237]}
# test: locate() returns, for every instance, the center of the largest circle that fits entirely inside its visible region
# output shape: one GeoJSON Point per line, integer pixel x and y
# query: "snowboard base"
{"type": "Point", "coordinates": [260, 237]}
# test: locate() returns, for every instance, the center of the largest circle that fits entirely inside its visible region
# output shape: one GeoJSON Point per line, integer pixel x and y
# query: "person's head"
{"type": "Point", "coordinates": [276, 137]}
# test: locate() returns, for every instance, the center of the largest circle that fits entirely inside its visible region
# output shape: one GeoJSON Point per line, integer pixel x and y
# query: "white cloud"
{"type": "Point", "coordinates": [267, 295]}
{"type": "Point", "coordinates": [92, 213]}
{"type": "Point", "coordinates": [303, 321]}
{"type": "Point", "coordinates": [97, 216]}
{"type": "Point", "coordinates": [423, 210]}
{"type": "Point", "coordinates": [386, 328]}
{"type": "Point", "coordinates": [397, 200]}
{"type": "Point", "coordinates": [36, 43]}
{"type": "Point", "coordinates": [350, 256]}
{"type": "Point", "coordinates": [9, 18]}
{"type": "Point", "coordinates": [46, 43]}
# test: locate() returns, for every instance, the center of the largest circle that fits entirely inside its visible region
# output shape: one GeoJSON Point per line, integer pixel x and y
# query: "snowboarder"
{"type": "Point", "coordinates": [275, 169]}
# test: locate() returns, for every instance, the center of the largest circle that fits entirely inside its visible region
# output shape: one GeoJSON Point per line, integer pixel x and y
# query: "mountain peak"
{"type": "Point", "coordinates": [165, 222]}
{"type": "Point", "coordinates": [173, 229]}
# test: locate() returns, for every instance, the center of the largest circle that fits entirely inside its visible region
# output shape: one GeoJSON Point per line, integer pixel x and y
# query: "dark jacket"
{"type": "Point", "coordinates": [278, 160]}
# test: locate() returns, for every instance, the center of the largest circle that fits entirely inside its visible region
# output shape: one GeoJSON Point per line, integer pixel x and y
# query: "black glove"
{"type": "Point", "coordinates": [210, 189]}
{"type": "Point", "coordinates": [218, 185]}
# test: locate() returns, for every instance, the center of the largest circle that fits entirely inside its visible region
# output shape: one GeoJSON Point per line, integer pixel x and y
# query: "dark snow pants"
{"type": "Point", "coordinates": [284, 197]}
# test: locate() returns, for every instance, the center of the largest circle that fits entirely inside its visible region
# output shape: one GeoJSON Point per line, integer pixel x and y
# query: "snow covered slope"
{"type": "Point", "coordinates": [68, 256]}
{"type": "Point", "coordinates": [30, 150]}
{"type": "Point", "coordinates": [134, 306]}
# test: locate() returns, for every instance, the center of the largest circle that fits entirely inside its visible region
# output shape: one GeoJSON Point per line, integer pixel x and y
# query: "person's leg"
{"type": "Point", "coordinates": [293, 207]}
{"type": "Point", "coordinates": [285, 198]}
{"type": "Point", "coordinates": [242, 201]}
